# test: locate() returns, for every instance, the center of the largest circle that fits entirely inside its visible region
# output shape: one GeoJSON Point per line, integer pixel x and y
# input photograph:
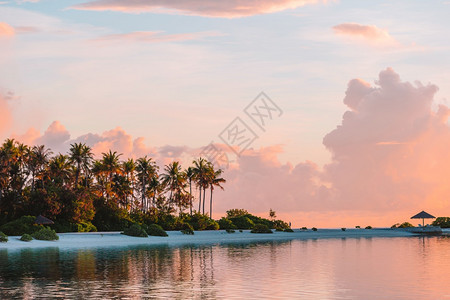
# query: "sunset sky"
{"type": "Point", "coordinates": [363, 137]}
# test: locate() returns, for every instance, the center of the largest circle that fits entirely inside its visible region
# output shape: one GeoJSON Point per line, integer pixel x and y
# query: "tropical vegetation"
{"type": "Point", "coordinates": [81, 193]}
{"type": "Point", "coordinates": [443, 222]}
{"type": "Point", "coordinates": [45, 234]}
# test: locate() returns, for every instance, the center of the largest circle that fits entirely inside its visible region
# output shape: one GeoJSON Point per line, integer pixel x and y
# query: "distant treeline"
{"type": "Point", "coordinates": [75, 188]}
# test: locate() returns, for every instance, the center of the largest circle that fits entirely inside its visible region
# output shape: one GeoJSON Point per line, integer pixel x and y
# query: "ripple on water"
{"type": "Point", "coordinates": [351, 268]}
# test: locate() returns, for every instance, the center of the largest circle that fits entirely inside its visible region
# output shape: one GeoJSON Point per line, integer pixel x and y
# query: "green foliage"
{"type": "Point", "coordinates": [240, 230]}
{"type": "Point", "coordinates": [225, 223]}
{"type": "Point", "coordinates": [135, 230]}
{"type": "Point", "coordinates": [229, 230]}
{"type": "Point", "coordinates": [109, 217]}
{"type": "Point", "coordinates": [402, 225]}
{"type": "Point", "coordinates": [261, 228]}
{"type": "Point", "coordinates": [288, 230]}
{"type": "Point", "coordinates": [343, 228]}
{"type": "Point", "coordinates": [187, 229]}
{"type": "Point", "coordinates": [357, 227]}
{"type": "Point", "coordinates": [167, 221]}
{"type": "Point", "coordinates": [443, 222]}
{"type": "Point", "coordinates": [3, 237]}
{"type": "Point", "coordinates": [45, 234]}
{"type": "Point", "coordinates": [236, 212]}
{"type": "Point", "coordinates": [85, 227]}
{"type": "Point", "coordinates": [212, 225]}
{"type": "Point", "coordinates": [242, 222]}
{"type": "Point", "coordinates": [200, 221]}
{"type": "Point", "coordinates": [24, 224]}
{"type": "Point", "coordinates": [369, 227]}
{"type": "Point", "coordinates": [314, 229]}
{"type": "Point", "coordinates": [278, 229]}
{"type": "Point", "coordinates": [304, 228]}
{"type": "Point", "coordinates": [26, 237]}
{"type": "Point", "coordinates": [155, 230]}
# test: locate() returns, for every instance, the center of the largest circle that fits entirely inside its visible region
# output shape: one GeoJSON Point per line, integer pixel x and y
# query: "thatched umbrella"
{"type": "Point", "coordinates": [41, 220]}
{"type": "Point", "coordinates": [423, 215]}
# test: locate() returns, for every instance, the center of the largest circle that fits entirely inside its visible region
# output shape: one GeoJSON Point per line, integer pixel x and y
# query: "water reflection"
{"type": "Point", "coordinates": [312, 269]}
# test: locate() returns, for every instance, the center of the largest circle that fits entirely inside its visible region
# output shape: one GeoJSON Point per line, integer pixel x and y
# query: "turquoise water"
{"type": "Point", "coordinates": [334, 268]}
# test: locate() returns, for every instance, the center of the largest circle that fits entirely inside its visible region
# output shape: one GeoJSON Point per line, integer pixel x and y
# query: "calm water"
{"type": "Point", "coordinates": [347, 268]}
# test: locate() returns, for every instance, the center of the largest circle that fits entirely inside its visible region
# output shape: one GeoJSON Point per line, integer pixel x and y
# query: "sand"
{"type": "Point", "coordinates": [176, 238]}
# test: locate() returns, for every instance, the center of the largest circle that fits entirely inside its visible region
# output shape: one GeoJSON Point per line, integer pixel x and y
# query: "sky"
{"type": "Point", "coordinates": [355, 105]}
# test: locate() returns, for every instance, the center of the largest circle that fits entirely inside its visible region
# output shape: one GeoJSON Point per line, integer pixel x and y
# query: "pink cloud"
{"type": "Point", "coordinates": [207, 8]}
{"type": "Point", "coordinates": [390, 152]}
{"type": "Point", "coordinates": [5, 113]}
{"type": "Point", "coordinates": [154, 36]}
{"type": "Point", "coordinates": [389, 157]}
{"type": "Point", "coordinates": [368, 33]}
{"type": "Point", "coordinates": [6, 30]}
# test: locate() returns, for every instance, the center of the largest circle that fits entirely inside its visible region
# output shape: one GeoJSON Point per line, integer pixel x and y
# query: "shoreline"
{"type": "Point", "coordinates": [89, 240]}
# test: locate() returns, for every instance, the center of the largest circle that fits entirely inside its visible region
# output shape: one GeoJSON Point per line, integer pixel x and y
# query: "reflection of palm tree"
{"type": "Point", "coordinates": [215, 180]}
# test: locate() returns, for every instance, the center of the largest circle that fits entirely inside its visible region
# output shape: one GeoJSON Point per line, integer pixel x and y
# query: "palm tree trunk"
{"type": "Point", "coordinates": [200, 199]}
{"type": "Point", "coordinates": [210, 204]}
{"type": "Point", "coordinates": [190, 196]}
{"type": "Point", "coordinates": [204, 192]}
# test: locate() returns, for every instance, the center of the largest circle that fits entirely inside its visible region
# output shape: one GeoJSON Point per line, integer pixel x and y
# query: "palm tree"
{"type": "Point", "coordinates": [110, 166]}
{"type": "Point", "coordinates": [146, 169]}
{"type": "Point", "coordinates": [128, 168]}
{"type": "Point", "coordinates": [189, 172]}
{"type": "Point", "coordinates": [200, 171]}
{"type": "Point", "coordinates": [80, 155]}
{"type": "Point", "coordinates": [175, 181]}
{"type": "Point", "coordinates": [39, 156]}
{"type": "Point", "coordinates": [59, 169]}
{"type": "Point", "coordinates": [215, 180]}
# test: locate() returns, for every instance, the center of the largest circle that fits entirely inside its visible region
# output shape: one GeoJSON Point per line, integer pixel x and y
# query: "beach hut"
{"type": "Point", "coordinates": [41, 220]}
{"type": "Point", "coordinates": [423, 215]}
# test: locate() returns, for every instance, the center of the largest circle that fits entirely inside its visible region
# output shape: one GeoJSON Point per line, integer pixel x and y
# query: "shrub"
{"type": "Point", "coordinates": [343, 228]}
{"type": "Point", "coordinates": [278, 229]}
{"type": "Point", "coordinates": [369, 227]}
{"type": "Point", "coordinates": [135, 230]}
{"type": "Point", "coordinates": [403, 225]}
{"type": "Point", "coordinates": [304, 228]}
{"type": "Point", "coordinates": [225, 223]}
{"type": "Point", "coordinates": [26, 237]}
{"type": "Point", "coordinates": [24, 224]}
{"type": "Point", "coordinates": [45, 234]}
{"type": "Point", "coordinates": [229, 230]}
{"type": "Point", "coordinates": [357, 227]}
{"type": "Point", "coordinates": [443, 222]}
{"type": "Point", "coordinates": [155, 230]}
{"type": "Point", "coordinates": [261, 228]}
{"type": "Point", "coordinates": [288, 230]}
{"type": "Point", "coordinates": [314, 229]}
{"type": "Point", "coordinates": [242, 222]}
{"type": "Point", "coordinates": [236, 212]}
{"type": "Point", "coordinates": [200, 221]}
{"type": "Point", "coordinates": [85, 227]}
{"type": "Point", "coordinates": [240, 230]}
{"type": "Point", "coordinates": [212, 225]}
{"type": "Point", "coordinates": [187, 229]}
{"type": "Point", "coordinates": [3, 237]}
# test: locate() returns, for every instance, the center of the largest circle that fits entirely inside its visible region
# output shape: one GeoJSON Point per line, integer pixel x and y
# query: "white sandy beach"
{"type": "Point", "coordinates": [176, 238]}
